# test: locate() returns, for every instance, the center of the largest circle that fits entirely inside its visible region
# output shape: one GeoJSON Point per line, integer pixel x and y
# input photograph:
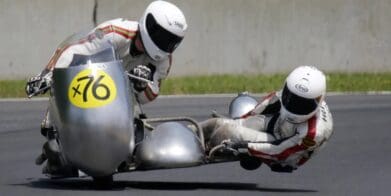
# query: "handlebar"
{"type": "Point", "coordinates": [139, 78]}
{"type": "Point", "coordinates": [38, 92]}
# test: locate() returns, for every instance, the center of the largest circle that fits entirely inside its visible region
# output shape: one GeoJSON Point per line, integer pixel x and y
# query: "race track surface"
{"type": "Point", "coordinates": [356, 161]}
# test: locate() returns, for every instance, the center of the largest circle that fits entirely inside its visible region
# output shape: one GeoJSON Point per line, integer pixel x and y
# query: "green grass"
{"type": "Point", "coordinates": [359, 82]}
{"type": "Point", "coordinates": [336, 82]}
{"type": "Point", "coordinates": [12, 88]}
{"type": "Point", "coordinates": [221, 84]}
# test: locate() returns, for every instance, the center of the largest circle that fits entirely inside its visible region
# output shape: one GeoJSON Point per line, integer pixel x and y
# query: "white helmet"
{"type": "Point", "coordinates": [162, 28]}
{"type": "Point", "coordinates": [304, 90]}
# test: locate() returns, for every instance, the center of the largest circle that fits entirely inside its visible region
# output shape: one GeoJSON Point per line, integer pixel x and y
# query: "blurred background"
{"type": "Point", "coordinates": [224, 36]}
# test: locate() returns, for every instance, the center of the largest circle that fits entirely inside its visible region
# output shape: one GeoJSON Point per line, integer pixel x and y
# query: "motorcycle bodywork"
{"type": "Point", "coordinates": [96, 138]}
{"type": "Point", "coordinates": [170, 145]}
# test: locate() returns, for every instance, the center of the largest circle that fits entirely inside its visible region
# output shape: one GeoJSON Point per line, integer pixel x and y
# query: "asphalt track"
{"type": "Point", "coordinates": [356, 161]}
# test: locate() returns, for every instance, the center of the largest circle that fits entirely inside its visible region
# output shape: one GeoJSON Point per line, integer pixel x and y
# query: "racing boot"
{"type": "Point", "coordinates": [55, 166]}
{"type": "Point", "coordinates": [40, 159]}
{"type": "Point", "coordinates": [50, 149]}
{"type": "Point", "coordinates": [54, 170]}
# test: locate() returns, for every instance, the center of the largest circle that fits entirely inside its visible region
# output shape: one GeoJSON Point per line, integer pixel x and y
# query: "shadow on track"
{"type": "Point", "coordinates": [86, 184]}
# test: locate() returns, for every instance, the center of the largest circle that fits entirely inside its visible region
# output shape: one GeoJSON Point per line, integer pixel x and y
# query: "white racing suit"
{"type": "Point", "coordinates": [278, 143]}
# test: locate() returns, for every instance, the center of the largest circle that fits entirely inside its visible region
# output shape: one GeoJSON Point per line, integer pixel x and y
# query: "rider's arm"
{"type": "Point", "coordinates": [270, 104]}
{"type": "Point", "coordinates": [152, 90]}
{"type": "Point", "coordinates": [120, 32]}
{"type": "Point", "coordinates": [61, 58]}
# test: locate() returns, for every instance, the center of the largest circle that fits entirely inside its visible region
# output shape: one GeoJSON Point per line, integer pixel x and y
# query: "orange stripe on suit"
{"type": "Point", "coordinates": [106, 30]}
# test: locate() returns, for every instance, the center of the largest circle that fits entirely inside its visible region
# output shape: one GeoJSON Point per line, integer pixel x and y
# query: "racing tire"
{"type": "Point", "coordinates": [103, 182]}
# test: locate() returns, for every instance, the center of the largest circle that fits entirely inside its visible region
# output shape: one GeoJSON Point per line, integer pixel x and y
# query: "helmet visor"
{"type": "Point", "coordinates": [296, 104]}
{"type": "Point", "coordinates": [163, 39]}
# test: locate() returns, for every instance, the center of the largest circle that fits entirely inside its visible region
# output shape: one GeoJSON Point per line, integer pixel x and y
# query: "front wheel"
{"type": "Point", "coordinates": [103, 182]}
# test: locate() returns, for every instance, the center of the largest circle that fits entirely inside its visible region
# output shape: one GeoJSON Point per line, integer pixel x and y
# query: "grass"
{"type": "Point", "coordinates": [222, 84]}
{"type": "Point", "coordinates": [359, 82]}
{"type": "Point", "coordinates": [336, 82]}
{"type": "Point", "coordinates": [12, 88]}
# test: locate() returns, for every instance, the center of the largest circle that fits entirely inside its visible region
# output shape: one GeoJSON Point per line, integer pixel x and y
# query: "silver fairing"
{"type": "Point", "coordinates": [95, 139]}
{"type": "Point", "coordinates": [170, 145]}
{"type": "Point", "coordinates": [241, 105]}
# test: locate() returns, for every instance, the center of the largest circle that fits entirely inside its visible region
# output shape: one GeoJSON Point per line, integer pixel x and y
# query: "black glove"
{"type": "Point", "coordinates": [235, 144]}
{"type": "Point", "coordinates": [141, 71]}
{"type": "Point", "coordinates": [35, 84]}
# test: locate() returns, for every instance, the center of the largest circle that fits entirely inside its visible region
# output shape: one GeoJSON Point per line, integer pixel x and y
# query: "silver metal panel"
{"type": "Point", "coordinates": [94, 139]}
{"type": "Point", "coordinates": [170, 145]}
{"type": "Point", "coordinates": [241, 105]}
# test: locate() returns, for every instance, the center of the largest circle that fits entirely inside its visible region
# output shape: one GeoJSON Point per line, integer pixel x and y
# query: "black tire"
{"type": "Point", "coordinates": [103, 182]}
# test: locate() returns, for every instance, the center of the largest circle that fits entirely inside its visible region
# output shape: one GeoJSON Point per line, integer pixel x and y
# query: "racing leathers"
{"type": "Point", "coordinates": [282, 145]}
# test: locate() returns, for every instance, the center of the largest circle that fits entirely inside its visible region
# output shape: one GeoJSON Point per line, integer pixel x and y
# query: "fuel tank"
{"type": "Point", "coordinates": [93, 113]}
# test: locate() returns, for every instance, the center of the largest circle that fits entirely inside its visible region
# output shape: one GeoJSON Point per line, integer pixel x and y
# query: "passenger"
{"type": "Point", "coordinates": [286, 129]}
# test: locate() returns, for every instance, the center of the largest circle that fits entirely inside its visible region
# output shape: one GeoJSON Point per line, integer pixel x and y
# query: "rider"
{"type": "Point", "coordinates": [286, 128]}
{"type": "Point", "coordinates": [145, 47]}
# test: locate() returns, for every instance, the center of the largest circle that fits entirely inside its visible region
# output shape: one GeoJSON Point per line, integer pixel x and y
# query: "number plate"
{"type": "Point", "coordinates": [92, 88]}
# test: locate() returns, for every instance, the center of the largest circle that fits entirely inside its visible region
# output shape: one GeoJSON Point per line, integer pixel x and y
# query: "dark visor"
{"type": "Point", "coordinates": [162, 38]}
{"type": "Point", "coordinates": [296, 104]}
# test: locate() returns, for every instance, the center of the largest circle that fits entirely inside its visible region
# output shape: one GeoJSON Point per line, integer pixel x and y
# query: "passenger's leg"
{"type": "Point", "coordinates": [234, 130]}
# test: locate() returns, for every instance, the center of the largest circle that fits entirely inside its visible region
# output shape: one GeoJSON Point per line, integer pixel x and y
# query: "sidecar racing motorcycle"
{"type": "Point", "coordinates": [99, 134]}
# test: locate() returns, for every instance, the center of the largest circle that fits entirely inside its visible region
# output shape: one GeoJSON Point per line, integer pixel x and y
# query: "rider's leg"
{"type": "Point", "coordinates": [51, 151]}
{"type": "Point", "coordinates": [46, 131]}
{"type": "Point", "coordinates": [257, 122]}
{"type": "Point", "coordinates": [209, 126]}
